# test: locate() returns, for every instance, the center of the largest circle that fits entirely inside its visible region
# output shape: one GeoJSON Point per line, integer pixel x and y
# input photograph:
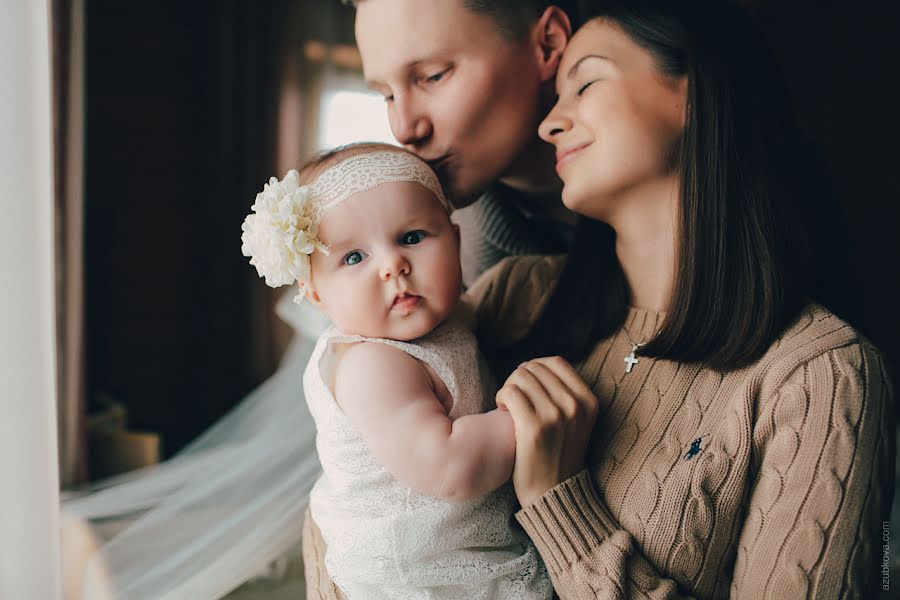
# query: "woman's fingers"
{"type": "Point", "coordinates": [554, 412]}
{"type": "Point", "coordinates": [557, 391]}
{"type": "Point", "coordinates": [511, 398]}
{"type": "Point", "coordinates": [567, 374]}
{"type": "Point", "coordinates": [538, 393]}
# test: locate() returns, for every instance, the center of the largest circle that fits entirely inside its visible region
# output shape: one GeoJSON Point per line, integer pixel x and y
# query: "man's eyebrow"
{"type": "Point", "coordinates": [574, 68]}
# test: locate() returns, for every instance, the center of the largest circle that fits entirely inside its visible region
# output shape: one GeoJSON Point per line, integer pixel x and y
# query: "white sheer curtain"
{"type": "Point", "coordinates": [219, 512]}
{"type": "Point", "coordinates": [29, 547]}
{"type": "Point", "coordinates": [69, 97]}
{"type": "Point", "coordinates": [227, 506]}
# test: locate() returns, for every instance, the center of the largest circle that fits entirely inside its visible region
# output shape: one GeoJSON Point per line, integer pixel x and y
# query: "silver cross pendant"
{"type": "Point", "coordinates": [631, 359]}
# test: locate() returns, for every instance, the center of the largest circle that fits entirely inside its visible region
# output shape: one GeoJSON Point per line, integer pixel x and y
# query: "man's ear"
{"type": "Point", "coordinates": [551, 35]}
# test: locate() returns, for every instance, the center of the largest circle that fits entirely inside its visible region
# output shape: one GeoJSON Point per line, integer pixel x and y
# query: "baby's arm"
{"type": "Point", "coordinates": [390, 399]}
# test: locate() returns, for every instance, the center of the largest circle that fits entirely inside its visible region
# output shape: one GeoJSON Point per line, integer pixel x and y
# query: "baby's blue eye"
{"type": "Point", "coordinates": [354, 258]}
{"type": "Point", "coordinates": [411, 238]}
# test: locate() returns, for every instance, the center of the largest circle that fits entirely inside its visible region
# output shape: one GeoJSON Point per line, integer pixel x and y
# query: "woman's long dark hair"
{"type": "Point", "coordinates": [742, 255]}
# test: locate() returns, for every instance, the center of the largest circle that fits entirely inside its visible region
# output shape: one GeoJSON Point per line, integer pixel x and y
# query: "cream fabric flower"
{"type": "Point", "coordinates": [280, 235]}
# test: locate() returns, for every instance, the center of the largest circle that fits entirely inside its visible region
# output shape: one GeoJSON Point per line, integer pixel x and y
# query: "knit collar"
{"type": "Point", "coordinates": [642, 324]}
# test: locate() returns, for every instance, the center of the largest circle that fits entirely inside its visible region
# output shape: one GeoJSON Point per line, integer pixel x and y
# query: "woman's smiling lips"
{"type": "Point", "coordinates": [563, 156]}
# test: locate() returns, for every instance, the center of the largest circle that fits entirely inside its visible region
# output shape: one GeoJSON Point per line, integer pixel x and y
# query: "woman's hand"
{"type": "Point", "coordinates": [554, 412]}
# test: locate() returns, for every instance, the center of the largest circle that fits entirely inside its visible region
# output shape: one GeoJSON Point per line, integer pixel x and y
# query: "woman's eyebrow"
{"type": "Point", "coordinates": [575, 67]}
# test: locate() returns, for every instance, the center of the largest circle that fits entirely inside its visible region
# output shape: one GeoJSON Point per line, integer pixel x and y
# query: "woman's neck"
{"type": "Point", "coordinates": [646, 227]}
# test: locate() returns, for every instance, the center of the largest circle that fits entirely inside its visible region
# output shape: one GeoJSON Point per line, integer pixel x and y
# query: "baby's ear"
{"type": "Point", "coordinates": [307, 290]}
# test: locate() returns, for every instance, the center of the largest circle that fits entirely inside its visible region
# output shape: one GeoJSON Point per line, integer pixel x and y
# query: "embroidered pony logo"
{"type": "Point", "coordinates": [695, 448]}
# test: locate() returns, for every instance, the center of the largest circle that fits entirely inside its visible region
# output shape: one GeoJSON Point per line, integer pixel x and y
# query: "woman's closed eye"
{"type": "Point", "coordinates": [584, 87]}
{"type": "Point", "coordinates": [411, 238]}
{"type": "Point", "coordinates": [353, 258]}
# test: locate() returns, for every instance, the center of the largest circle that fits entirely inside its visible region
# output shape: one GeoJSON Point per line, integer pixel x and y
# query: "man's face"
{"type": "Point", "coordinates": [459, 94]}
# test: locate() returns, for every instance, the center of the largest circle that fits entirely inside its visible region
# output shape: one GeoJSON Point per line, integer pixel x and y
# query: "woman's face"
{"type": "Point", "coordinates": [617, 123]}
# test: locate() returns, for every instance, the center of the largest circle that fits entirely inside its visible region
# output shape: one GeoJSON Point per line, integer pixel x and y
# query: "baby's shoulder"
{"type": "Point", "coordinates": [369, 360]}
{"type": "Point", "coordinates": [376, 375]}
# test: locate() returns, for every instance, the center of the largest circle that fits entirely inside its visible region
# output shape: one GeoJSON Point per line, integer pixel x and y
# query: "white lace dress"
{"type": "Point", "coordinates": [386, 541]}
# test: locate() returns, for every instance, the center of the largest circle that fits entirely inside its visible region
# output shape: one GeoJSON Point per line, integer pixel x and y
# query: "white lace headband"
{"type": "Point", "coordinates": [282, 233]}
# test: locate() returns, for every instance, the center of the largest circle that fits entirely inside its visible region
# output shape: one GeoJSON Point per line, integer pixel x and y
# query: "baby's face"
{"type": "Point", "coordinates": [393, 271]}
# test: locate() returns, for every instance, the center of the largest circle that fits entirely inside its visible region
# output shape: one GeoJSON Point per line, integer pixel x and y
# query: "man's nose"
{"type": "Point", "coordinates": [410, 123]}
{"type": "Point", "coordinates": [393, 266]}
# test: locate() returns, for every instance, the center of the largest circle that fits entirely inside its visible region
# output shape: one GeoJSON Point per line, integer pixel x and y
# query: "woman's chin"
{"type": "Point", "coordinates": [576, 200]}
{"type": "Point", "coordinates": [592, 203]}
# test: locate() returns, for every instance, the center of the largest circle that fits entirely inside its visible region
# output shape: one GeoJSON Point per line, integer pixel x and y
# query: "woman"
{"type": "Point", "coordinates": [743, 438]}
{"type": "Point", "coordinates": [709, 433]}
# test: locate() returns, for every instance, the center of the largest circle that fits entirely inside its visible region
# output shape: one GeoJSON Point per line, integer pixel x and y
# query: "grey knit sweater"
{"type": "Point", "coordinates": [496, 226]}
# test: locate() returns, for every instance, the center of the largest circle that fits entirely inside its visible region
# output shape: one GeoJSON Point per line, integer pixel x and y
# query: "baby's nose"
{"type": "Point", "coordinates": [394, 266]}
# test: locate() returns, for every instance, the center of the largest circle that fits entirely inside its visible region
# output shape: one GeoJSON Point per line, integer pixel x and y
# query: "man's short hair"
{"type": "Point", "coordinates": [513, 18]}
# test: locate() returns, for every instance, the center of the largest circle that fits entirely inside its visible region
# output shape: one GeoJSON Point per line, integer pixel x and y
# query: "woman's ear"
{"type": "Point", "coordinates": [550, 37]}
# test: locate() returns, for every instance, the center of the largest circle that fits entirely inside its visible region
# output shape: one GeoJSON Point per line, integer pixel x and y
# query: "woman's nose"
{"type": "Point", "coordinates": [410, 122]}
{"type": "Point", "coordinates": [554, 124]}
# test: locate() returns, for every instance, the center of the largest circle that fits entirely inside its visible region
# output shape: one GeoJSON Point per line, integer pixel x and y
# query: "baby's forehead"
{"type": "Point", "coordinates": [390, 205]}
{"type": "Point", "coordinates": [390, 202]}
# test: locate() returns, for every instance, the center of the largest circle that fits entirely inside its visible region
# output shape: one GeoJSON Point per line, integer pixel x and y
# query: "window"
{"type": "Point", "coordinates": [351, 113]}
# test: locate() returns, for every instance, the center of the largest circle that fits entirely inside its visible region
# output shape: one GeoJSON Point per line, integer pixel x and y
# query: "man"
{"type": "Point", "coordinates": [466, 83]}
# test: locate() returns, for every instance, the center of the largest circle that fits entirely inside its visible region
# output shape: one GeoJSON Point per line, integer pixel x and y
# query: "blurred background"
{"type": "Point", "coordinates": [170, 116]}
{"type": "Point", "coordinates": [188, 108]}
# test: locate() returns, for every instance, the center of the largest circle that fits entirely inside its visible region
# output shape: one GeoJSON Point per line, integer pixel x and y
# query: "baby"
{"type": "Point", "coordinates": [412, 502]}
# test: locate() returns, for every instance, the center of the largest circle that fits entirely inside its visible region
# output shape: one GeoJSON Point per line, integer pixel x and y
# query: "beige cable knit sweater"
{"type": "Point", "coordinates": [767, 482]}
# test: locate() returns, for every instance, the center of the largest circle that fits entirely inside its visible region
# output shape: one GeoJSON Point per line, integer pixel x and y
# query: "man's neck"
{"type": "Point", "coordinates": [533, 175]}
{"type": "Point", "coordinates": [533, 169]}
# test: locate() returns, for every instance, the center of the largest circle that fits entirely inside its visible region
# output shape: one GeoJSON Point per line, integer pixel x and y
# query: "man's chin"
{"type": "Point", "coordinates": [461, 201]}
{"type": "Point", "coordinates": [461, 196]}
{"type": "Point", "coordinates": [458, 193]}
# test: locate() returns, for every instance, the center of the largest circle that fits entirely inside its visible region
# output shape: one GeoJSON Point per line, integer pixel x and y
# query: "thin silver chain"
{"type": "Point", "coordinates": [637, 344]}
